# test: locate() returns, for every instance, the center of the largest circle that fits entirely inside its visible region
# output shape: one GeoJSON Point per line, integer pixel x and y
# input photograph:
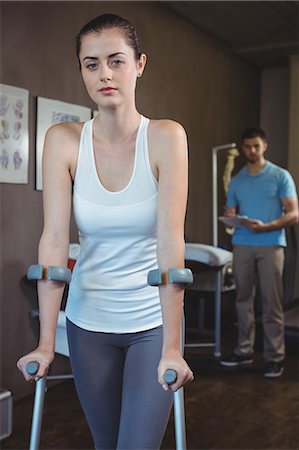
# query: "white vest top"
{"type": "Point", "coordinates": [118, 239]}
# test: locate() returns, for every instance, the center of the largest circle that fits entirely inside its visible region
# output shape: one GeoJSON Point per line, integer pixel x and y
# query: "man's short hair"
{"type": "Point", "coordinates": [253, 132]}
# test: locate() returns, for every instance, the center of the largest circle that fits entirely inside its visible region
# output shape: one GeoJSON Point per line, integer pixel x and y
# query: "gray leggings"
{"type": "Point", "coordinates": [116, 381]}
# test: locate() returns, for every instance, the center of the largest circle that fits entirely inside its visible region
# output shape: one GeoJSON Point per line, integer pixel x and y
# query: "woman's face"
{"type": "Point", "coordinates": [109, 68]}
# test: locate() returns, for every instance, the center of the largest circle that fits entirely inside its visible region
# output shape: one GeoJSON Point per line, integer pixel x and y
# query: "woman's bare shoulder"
{"type": "Point", "coordinates": [166, 128]}
{"type": "Point", "coordinates": [66, 131]}
{"type": "Point", "coordinates": [62, 142]}
{"type": "Point", "coordinates": [166, 139]}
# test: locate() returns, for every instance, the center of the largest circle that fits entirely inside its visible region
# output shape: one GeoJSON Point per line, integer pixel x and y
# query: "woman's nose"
{"type": "Point", "coordinates": [105, 74]}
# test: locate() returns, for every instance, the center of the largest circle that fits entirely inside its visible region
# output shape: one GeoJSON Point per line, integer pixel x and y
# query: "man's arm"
{"type": "Point", "coordinates": [291, 217]}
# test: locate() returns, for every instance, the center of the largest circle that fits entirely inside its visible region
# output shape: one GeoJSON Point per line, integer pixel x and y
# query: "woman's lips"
{"type": "Point", "coordinates": [107, 90]}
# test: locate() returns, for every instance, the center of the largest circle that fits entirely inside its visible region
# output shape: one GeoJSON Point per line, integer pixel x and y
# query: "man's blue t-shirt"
{"type": "Point", "coordinates": [259, 197]}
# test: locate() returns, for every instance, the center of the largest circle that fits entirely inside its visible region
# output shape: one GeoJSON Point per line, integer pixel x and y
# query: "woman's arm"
{"type": "Point", "coordinates": [172, 166]}
{"type": "Point", "coordinates": [54, 242]}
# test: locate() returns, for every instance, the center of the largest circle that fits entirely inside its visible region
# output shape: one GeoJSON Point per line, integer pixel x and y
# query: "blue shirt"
{"type": "Point", "coordinates": [259, 197]}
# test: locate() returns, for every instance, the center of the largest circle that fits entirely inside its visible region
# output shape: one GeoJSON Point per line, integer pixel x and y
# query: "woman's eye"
{"type": "Point", "coordinates": [116, 62]}
{"type": "Point", "coordinates": [91, 66]}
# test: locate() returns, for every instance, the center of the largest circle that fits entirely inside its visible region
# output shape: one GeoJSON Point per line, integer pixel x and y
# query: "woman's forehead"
{"type": "Point", "coordinates": [106, 41]}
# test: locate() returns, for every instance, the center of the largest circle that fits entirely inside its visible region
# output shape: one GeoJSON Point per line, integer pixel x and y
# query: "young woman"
{"type": "Point", "coordinates": [127, 178]}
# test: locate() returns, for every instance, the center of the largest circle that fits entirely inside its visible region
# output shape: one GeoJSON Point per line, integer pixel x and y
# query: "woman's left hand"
{"type": "Point", "coordinates": [176, 362]}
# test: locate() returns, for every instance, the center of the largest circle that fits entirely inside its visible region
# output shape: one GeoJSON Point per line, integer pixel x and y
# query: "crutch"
{"type": "Point", "coordinates": [178, 405]}
{"type": "Point", "coordinates": [56, 273]}
{"type": "Point", "coordinates": [181, 276]}
{"type": "Point", "coordinates": [38, 405]}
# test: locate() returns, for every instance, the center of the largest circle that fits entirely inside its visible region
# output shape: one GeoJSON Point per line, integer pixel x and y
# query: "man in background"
{"type": "Point", "coordinates": [266, 194]}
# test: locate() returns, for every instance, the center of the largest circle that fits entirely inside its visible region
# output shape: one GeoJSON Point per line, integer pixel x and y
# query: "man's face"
{"type": "Point", "coordinates": [254, 149]}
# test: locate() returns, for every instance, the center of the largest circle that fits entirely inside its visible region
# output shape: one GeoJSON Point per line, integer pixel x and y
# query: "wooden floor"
{"type": "Point", "coordinates": [225, 409]}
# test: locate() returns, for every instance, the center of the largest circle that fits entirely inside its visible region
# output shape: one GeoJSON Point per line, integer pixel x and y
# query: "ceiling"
{"type": "Point", "coordinates": [265, 33]}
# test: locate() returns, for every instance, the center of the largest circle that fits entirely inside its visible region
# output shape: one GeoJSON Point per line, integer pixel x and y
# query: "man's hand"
{"type": "Point", "coordinates": [230, 211]}
{"type": "Point", "coordinates": [254, 225]}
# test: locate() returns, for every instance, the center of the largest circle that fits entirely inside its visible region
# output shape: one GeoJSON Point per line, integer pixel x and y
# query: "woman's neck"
{"type": "Point", "coordinates": [116, 125]}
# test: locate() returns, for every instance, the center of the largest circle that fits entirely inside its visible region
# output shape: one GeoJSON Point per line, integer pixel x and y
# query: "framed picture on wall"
{"type": "Point", "coordinates": [14, 140]}
{"type": "Point", "coordinates": [51, 112]}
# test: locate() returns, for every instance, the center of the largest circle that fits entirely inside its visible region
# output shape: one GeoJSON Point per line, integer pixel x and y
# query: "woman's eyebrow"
{"type": "Point", "coordinates": [90, 57]}
{"type": "Point", "coordinates": [109, 56]}
{"type": "Point", "coordinates": [115, 54]}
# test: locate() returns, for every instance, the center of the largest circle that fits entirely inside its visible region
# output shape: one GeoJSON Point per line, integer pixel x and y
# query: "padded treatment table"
{"type": "Point", "coordinates": [210, 266]}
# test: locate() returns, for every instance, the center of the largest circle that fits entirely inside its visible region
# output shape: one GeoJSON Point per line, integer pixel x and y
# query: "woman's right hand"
{"type": "Point", "coordinates": [42, 357]}
{"type": "Point", "coordinates": [174, 361]}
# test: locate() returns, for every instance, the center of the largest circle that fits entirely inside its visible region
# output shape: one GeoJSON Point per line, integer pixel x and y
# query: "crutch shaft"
{"type": "Point", "coordinates": [38, 406]}
{"type": "Point", "coordinates": [179, 419]}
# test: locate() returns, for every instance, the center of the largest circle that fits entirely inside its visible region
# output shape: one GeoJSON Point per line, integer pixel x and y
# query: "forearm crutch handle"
{"type": "Point", "coordinates": [32, 367]}
{"type": "Point", "coordinates": [170, 376]}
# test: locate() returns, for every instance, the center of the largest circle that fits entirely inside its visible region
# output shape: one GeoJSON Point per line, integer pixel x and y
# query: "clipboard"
{"type": "Point", "coordinates": [232, 222]}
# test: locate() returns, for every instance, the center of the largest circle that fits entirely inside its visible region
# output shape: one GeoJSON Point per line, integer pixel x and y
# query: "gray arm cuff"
{"type": "Point", "coordinates": [54, 273]}
{"type": "Point", "coordinates": [174, 276]}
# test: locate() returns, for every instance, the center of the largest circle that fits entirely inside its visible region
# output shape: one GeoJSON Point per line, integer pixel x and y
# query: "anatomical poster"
{"type": "Point", "coordinates": [14, 134]}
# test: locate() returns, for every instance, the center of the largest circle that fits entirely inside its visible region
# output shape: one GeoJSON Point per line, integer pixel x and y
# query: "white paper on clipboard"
{"type": "Point", "coordinates": [233, 222]}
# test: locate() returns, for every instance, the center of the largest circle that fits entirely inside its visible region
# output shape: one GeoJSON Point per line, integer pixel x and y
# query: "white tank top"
{"type": "Point", "coordinates": [118, 239]}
